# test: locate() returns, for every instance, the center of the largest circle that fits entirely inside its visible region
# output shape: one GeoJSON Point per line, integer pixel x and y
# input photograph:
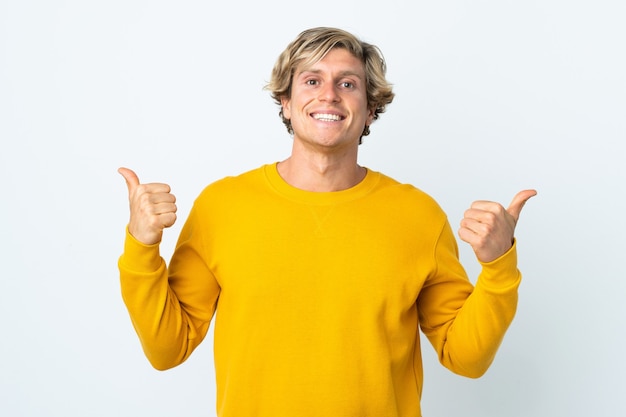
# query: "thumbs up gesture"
{"type": "Point", "coordinates": [489, 228]}
{"type": "Point", "coordinates": [152, 208]}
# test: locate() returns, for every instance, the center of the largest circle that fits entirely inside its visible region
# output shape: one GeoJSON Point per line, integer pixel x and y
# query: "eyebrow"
{"type": "Point", "coordinates": [346, 73]}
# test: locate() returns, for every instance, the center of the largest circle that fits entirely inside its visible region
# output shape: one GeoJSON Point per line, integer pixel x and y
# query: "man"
{"type": "Point", "coordinates": [320, 271]}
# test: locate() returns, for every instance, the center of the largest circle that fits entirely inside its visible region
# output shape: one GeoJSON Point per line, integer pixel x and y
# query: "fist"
{"type": "Point", "coordinates": [489, 228]}
{"type": "Point", "coordinates": [152, 208]}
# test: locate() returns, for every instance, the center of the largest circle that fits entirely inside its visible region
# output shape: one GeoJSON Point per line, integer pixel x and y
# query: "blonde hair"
{"type": "Point", "coordinates": [311, 46]}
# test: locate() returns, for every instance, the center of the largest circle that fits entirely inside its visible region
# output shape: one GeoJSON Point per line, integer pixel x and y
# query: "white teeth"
{"type": "Point", "coordinates": [327, 117]}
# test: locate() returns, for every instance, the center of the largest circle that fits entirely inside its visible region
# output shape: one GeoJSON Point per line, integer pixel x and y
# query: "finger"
{"type": "Point", "coordinates": [515, 208]}
{"type": "Point", "coordinates": [469, 235]}
{"type": "Point", "coordinates": [161, 197]}
{"type": "Point", "coordinates": [476, 226]}
{"type": "Point", "coordinates": [163, 208]}
{"type": "Point", "coordinates": [168, 219]}
{"type": "Point", "coordinates": [484, 213]}
{"type": "Point", "coordinates": [132, 181]}
{"type": "Point", "coordinates": [155, 188]}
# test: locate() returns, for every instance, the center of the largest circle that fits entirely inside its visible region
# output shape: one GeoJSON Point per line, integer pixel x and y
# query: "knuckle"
{"type": "Point", "coordinates": [141, 189]}
{"type": "Point", "coordinates": [144, 198]}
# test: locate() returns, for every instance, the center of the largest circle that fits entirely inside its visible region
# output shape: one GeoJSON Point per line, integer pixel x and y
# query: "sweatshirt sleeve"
{"type": "Point", "coordinates": [170, 309]}
{"type": "Point", "coordinates": [466, 324]}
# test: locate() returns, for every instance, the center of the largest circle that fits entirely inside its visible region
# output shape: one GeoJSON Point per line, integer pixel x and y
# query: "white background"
{"type": "Point", "coordinates": [492, 97]}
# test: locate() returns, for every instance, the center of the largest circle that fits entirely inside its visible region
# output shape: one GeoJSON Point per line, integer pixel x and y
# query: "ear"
{"type": "Point", "coordinates": [370, 116]}
{"type": "Point", "coordinates": [284, 102]}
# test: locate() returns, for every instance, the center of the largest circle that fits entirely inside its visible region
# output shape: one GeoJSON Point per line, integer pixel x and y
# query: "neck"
{"type": "Point", "coordinates": [321, 172]}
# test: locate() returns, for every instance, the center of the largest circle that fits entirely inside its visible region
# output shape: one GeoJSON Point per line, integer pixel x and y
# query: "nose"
{"type": "Point", "coordinates": [328, 93]}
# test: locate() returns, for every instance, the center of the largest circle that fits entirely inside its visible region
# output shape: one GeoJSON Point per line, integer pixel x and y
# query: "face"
{"type": "Point", "coordinates": [328, 104]}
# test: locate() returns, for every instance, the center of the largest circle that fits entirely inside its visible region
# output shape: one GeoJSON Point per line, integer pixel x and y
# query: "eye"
{"type": "Point", "coordinates": [311, 81]}
{"type": "Point", "coordinates": [347, 84]}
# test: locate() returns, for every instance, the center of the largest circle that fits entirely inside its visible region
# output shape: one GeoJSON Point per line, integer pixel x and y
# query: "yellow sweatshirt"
{"type": "Point", "coordinates": [318, 297]}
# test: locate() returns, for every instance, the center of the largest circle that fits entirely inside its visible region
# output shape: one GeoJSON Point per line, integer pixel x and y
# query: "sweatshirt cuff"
{"type": "Point", "coordinates": [140, 257]}
{"type": "Point", "coordinates": [501, 274]}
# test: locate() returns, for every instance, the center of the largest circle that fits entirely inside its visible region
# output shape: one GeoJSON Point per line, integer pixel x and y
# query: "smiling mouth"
{"type": "Point", "coordinates": [325, 117]}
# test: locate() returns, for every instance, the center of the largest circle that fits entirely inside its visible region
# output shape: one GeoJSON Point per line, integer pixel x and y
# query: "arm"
{"type": "Point", "coordinates": [170, 310]}
{"type": "Point", "coordinates": [466, 325]}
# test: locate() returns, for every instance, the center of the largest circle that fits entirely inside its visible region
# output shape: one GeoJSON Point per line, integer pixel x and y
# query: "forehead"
{"type": "Point", "coordinates": [335, 60]}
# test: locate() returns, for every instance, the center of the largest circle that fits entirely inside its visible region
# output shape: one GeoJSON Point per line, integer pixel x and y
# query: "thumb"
{"type": "Point", "coordinates": [132, 181]}
{"type": "Point", "coordinates": [515, 208]}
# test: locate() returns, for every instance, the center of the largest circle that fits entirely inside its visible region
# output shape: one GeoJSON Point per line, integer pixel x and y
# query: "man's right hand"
{"type": "Point", "coordinates": [152, 208]}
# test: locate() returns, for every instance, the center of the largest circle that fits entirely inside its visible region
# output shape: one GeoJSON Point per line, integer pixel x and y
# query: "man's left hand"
{"type": "Point", "coordinates": [489, 228]}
